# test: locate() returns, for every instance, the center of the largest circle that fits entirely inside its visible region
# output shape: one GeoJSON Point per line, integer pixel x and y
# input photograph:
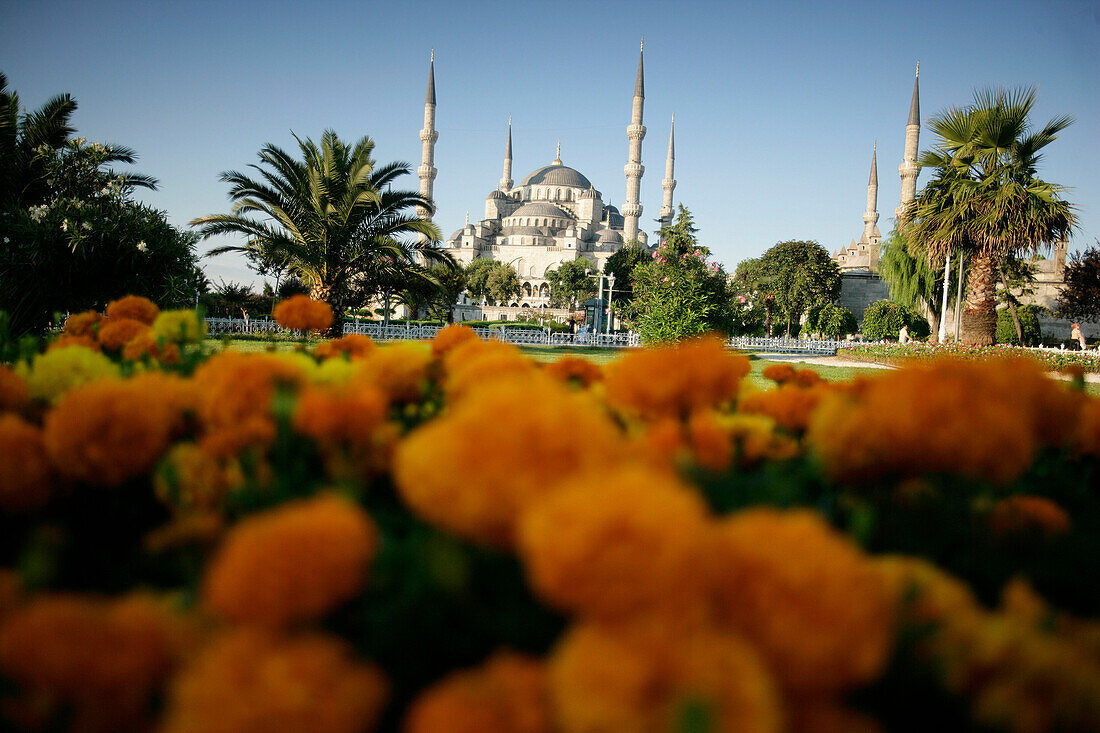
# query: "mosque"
{"type": "Point", "coordinates": [554, 215]}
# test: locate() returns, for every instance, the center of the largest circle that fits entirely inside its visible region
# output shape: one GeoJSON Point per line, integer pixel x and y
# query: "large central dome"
{"type": "Point", "coordinates": [557, 174]}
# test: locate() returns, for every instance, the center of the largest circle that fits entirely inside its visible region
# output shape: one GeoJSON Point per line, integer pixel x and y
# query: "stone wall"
{"type": "Point", "coordinates": [859, 289]}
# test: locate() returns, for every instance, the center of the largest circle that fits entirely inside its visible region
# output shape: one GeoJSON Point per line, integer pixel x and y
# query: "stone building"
{"type": "Point", "coordinates": [554, 215]}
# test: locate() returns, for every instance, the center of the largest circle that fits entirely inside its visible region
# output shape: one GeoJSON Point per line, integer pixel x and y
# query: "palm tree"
{"type": "Point", "coordinates": [331, 217]}
{"type": "Point", "coordinates": [985, 199]}
{"type": "Point", "coordinates": [22, 168]}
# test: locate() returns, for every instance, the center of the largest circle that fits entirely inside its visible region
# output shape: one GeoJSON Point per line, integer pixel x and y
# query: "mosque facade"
{"type": "Point", "coordinates": [552, 216]}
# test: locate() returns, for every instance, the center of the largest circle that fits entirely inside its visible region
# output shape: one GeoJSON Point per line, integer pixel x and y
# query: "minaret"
{"type": "Point", "coordinates": [428, 136]}
{"type": "Point", "coordinates": [634, 168]}
{"type": "Point", "coordinates": [870, 217]}
{"type": "Point", "coordinates": [908, 169]}
{"type": "Point", "coordinates": [506, 181]}
{"type": "Point", "coordinates": [669, 183]}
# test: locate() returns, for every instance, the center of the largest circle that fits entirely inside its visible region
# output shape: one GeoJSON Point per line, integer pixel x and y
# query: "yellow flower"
{"type": "Point", "coordinates": [135, 307]}
{"type": "Point", "coordinates": [335, 372]}
{"type": "Point", "coordinates": [65, 340]}
{"type": "Point", "coordinates": [25, 475]}
{"type": "Point", "coordinates": [966, 418]}
{"type": "Point", "coordinates": [103, 658]}
{"type": "Point", "coordinates": [107, 432]}
{"type": "Point", "coordinates": [14, 393]}
{"type": "Point", "coordinates": [250, 682]}
{"type": "Point", "coordinates": [805, 596]}
{"type": "Point", "coordinates": [117, 332]}
{"type": "Point", "coordinates": [645, 677]}
{"type": "Point", "coordinates": [352, 346]}
{"type": "Point", "coordinates": [613, 542]}
{"type": "Point", "coordinates": [179, 327]}
{"type": "Point", "coordinates": [506, 694]}
{"type": "Point", "coordinates": [291, 564]}
{"type": "Point", "coordinates": [450, 337]}
{"type": "Point", "coordinates": [674, 380]}
{"type": "Point", "coordinates": [399, 370]}
{"type": "Point", "coordinates": [302, 313]}
{"type": "Point", "coordinates": [474, 469]}
{"type": "Point", "coordinates": [56, 372]}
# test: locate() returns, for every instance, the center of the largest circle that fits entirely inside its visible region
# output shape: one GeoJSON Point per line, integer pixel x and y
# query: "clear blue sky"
{"type": "Point", "coordinates": [777, 104]}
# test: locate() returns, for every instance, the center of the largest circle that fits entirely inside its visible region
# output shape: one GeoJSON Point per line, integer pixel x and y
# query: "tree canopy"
{"type": "Point", "coordinates": [1080, 298]}
{"type": "Point", "coordinates": [787, 279]}
{"type": "Point", "coordinates": [570, 283]}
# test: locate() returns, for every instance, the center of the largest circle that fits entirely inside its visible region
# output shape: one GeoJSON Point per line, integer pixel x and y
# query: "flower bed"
{"type": "Point", "coordinates": [454, 537]}
{"type": "Point", "coordinates": [899, 354]}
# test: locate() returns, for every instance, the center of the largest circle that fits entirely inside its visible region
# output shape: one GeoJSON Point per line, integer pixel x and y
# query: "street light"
{"type": "Point", "coordinates": [610, 291]}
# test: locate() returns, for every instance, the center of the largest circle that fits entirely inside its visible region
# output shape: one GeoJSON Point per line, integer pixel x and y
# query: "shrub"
{"type": "Point", "coordinates": [834, 321]}
{"type": "Point", "coordinates": [883, 320]}
{"type": "Point", "coordinates": [1029, 324]}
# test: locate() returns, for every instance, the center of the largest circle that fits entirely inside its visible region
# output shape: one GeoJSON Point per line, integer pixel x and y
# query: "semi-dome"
{"type": "Point", "coordinates": [591, 193]}
{"type": "Point", "coordinates": [557, 175]}
{"type": "Point", "coordinates": [496, 194]}
{"type": "Point", "coordinates": [540, 209]}
{"type": "Point", "coordinates": [609, 235]}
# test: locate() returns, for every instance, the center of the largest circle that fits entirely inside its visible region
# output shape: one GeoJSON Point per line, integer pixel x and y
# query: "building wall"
{"type": "Point", "coordinates": [859, 289]}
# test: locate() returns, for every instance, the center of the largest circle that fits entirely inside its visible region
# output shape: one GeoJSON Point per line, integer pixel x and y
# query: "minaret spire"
{"type": "Point", "coordinates": [908, 170]}
{"type": "Point", "coordinates": [557, 155]}
{"type": "Point", "coordinates": [669, 182]}
{"type": "Point", "coordinates": [634, 169]}
{"type": "Point", "coordinates": [506, 181]}
{"type": "Point", "coordinates": [428, 136]}
{"type": "Point", "coordinates": [871, 235]}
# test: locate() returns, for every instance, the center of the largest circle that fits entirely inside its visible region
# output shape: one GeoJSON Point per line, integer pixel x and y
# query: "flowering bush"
{"type": "Point", "coordinates": [899, 354]}
{"type": "Point", "coordinates": [457, 538]}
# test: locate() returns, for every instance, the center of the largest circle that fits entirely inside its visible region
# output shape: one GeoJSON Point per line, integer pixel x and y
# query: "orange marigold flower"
{"type": "Point", "coordinates": [107, 432]}
{"type": "Point", "coordinates": [11, 592]}
{"type": "Point", "coordinates": [1020, 601]}
{"type": "Point", "coordinates": [673, 380]}
{"type": "Point", "coordinates": [135, 307]}
{"type": "Point", "coordinates": [923, 593]}
{"type": "Point", "coordinates": [953, 417]}
{"type": "Point", "coordinates": [1029, 513]}
{"type": "Point", "coordinates": [291, 564]}
{"type": "Point", "coordinates": [778, 373]}
{"type": "Point", "coordinates": [24, 466]}
{"type": "Point", "coordinates": [828, 716]}
{"type": "Point", "coordinates": [179, 396]}
{"type": "Point", "coordinates": [711, 442]}
{"type": "Point", "coordinates": [147, 344]}
{"type": "Point", "coordinates": [117, 332]}
{"type": "Point", "coordinates": [354, 345]}
{"type": "Point", "coordinates": [506, 694]}
{"type": "Point", "coordinates": [474, 469]}
{"type": "Point", "coordinates": [471, 363]}
{"type": "Point", "coordinates": [613, 542]}
{"type": "Point", "coordinates": [235, 387]}
{"type": "Point", "coordinates": [399, 370]}
{"type": "Point", "coordinates": [82, 324]}
{"type": "Point", "coordinates": [346, 423]}
{"type": "Point", "coordinates": [575, 369]}
{"type": "Point", "coordinates": [646, 676]}
{"type": "Point", "coordinates": [102, 658]}
{"type": "Point", "coordinates": [1086, 437]}
{"type": "Point", "coordinates": [805, 596]}
{"type": "Point", "coordinates": [14, 393]}
{"type": "Point", "coordinates": [250, 682]}
{"type": "Point", "coordinates": [251, 433]}
{"type": "Point", "coordinates": [450, 337]}
{"type": "Point", "coordinates": [197, 528]}
{"type": "Point", "coordinates": [64, 341]}
{"type": "Point", "coordinates": [789, 405]}
{"type": "Point", "coordinates": [302, 313]}
{"type": "Point", "coordinates": [192, 479]}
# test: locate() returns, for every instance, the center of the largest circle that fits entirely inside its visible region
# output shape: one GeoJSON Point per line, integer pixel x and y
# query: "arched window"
{"type": "Point", "coordinates": [527, 290]}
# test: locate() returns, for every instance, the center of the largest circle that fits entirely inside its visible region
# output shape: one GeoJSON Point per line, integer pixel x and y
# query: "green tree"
{"type": "Point", "coordinates": [502, 284]}
{"type": "Point", "coordinates": [984, 198]}
{"type": "Point", "coordinates": [621, 265]}
{"type": "Point", "coordinates": [88, 241]}
{"type": "Point", "coordinates": [913, 281]}
{"type": "Point", "coordinates": [1080, 298]}
{"type": "Point", "coordinates": [796, 275]}
{"type": "Point", "coordinates": [332, 217]}
{"type": "Point", "coordinates": [477, 278]}
{"type": "Point", "coordinates": [678, 293]}
{"type": "Point", "coordinates": [571, 284]}
{"type": "Point", "coordinates": [883, 319]}
{"type": "Point", "coordinates": [451, 281]}
{"type": "Point", "coordinates": [1024, 329]}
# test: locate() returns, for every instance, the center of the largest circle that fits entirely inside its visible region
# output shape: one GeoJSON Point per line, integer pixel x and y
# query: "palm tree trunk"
{"type": "Point", "coordinates": [979, 319]}
{"type": "Point", "coordinates": [327, 293]}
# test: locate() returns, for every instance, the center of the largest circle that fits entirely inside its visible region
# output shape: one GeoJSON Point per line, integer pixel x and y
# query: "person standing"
{"type": "Point", "coordinates": [903, 336]}
{"type": "Point", "coordinates": [1076, 335]}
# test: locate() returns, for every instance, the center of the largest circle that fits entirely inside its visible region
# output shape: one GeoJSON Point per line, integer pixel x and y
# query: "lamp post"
{"type": "Point", "coordinates": [610, 291]}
